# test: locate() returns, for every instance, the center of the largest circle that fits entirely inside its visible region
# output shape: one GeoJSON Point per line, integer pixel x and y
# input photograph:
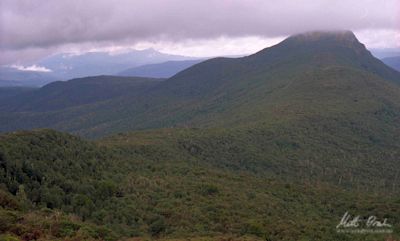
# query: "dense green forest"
{"type": "Point", "coordinates": [278, 145]}
{"type": "Point", "coordinates": [159, 185]}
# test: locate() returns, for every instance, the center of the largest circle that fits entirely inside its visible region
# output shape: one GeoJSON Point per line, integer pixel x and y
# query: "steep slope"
{"type": "Point", "coordinates": [161, 70]}
{"type": "Point", "coordinates": [318, 73]}
{"type": "Point", "coordinates": [297, 54]}
{"type": "Point", "coordinates": [393, 62]}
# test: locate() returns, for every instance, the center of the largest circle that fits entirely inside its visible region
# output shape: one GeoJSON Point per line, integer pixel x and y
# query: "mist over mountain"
{"type": "Point", "coordinates": [67, 66]}
{"type": "Point", "coordinates": [207, 120]}
{"type": "Point", "coordinates": [13, 77]}
{"type": "Point", "coordinates": [102, 63]}
{"type": "Point", "coordinates": [277, 145]}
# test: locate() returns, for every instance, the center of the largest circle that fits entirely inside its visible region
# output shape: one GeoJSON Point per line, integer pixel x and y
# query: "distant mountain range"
{"type": "Point", "coordinates": [13, 77]}
{"type": "Point", "coordinates": [141, 63]}
{"type": "Point", "coordinates": [161, 70]}
{"type": "Point", "coordinates": [100, 63]}
{"type": "Point", "coordinates": [385, 52]}
{"type": "Point", "coordinates": [66, 66]}
{"type": "Point", "coordinates": [393, 62]}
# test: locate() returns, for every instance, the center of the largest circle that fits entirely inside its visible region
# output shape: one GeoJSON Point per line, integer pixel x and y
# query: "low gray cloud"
{"type": "Point", "coordinates": [30, 24]}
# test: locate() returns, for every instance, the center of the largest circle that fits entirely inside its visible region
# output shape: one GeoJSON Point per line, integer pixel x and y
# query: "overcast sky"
{"type": "Point", "coordinates": [30, 29]}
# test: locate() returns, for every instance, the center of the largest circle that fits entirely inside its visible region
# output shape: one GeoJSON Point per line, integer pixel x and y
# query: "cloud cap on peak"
{"type": "Point", "coordinates": [26, 23]}
{"type": "Point", "coordinates": [32, 26]}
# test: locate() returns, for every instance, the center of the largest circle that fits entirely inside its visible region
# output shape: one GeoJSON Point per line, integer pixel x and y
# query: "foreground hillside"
{"type": "Point", "coordinates": [167, 185]}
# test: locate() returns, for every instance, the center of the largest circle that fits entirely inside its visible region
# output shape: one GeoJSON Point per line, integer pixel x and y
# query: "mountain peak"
{"type": "Point", "coordinates": [337, 36]}
{"type": "Point", "coordinates": [324, 40]}
{"type": "Point", "coordinates": [344, 38]}
{"type": "Point", "coordinates": [316, 42]}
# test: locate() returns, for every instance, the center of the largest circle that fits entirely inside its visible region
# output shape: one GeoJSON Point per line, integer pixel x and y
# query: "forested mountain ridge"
{"type": "Point", "coordinates": [77, 92]}
{"type": "Point", "coordinates": [332, 68]}
{"type": "Point", "coordinates": [273, 146]}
